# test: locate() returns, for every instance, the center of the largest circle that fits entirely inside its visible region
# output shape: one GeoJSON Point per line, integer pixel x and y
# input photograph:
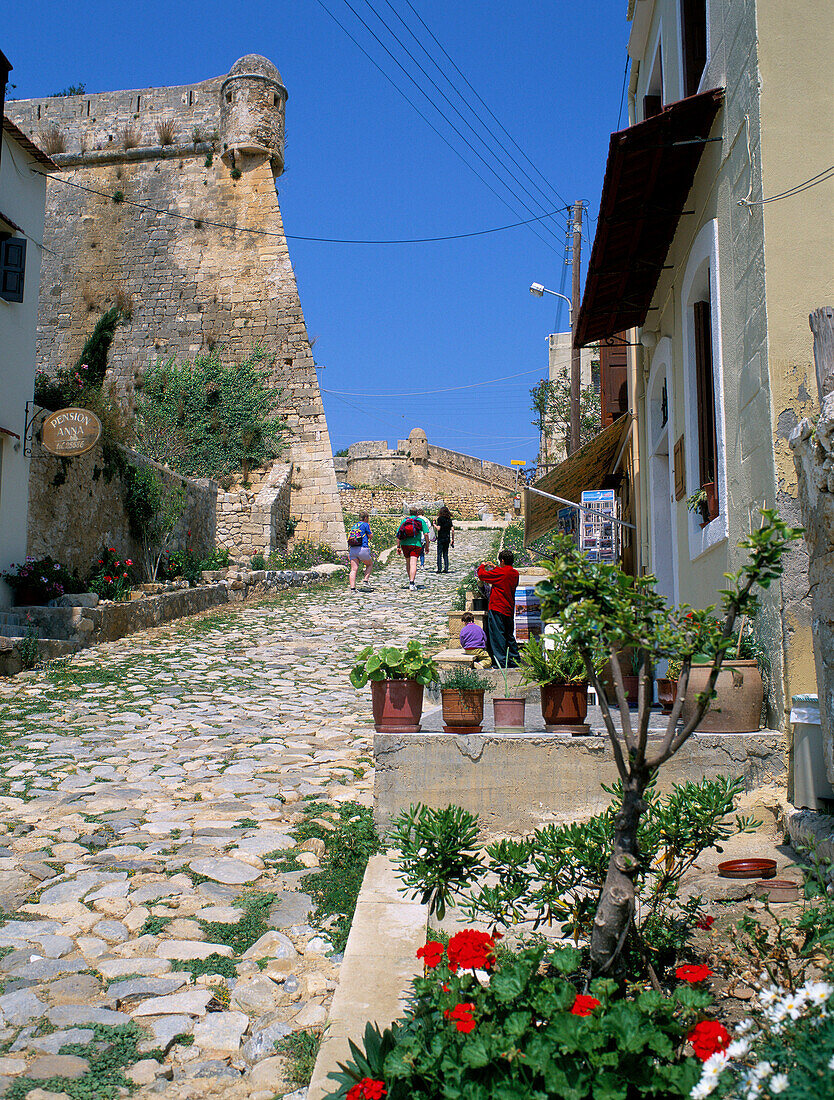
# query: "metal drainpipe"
{"type": "Point", "coordinates": [632, 92]}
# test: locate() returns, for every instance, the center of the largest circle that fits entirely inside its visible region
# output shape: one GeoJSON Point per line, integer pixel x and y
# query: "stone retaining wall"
{"type": "Point", "coordinates": [254, 520]}
{"type": "Point", "coordinates": [78, 517]}
{"type": "Point", "coordinates": [392, 501]}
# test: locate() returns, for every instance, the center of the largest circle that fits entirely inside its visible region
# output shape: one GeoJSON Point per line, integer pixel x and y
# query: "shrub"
{"type": "Point", "coordinates": [41, 580]}
{"type": "Point", "coordinates": [302, 555]}
{"type": "Point", "coordinates": [529, 1032]}
{"type": "Point", "coordinates": [558, 664]}
{"type": "Point", "coordinates": [80, 384]}
{"type": "Point", "coordinates": [52, 141]}
{"type": "Point", "coordinates": [112, 575]}
{"type": "Point", "coordinates": [165, 131]}
{"type": "Point", "coordinates": [130, 137]}
{"type": "Point", "coordinates": [257, 561]}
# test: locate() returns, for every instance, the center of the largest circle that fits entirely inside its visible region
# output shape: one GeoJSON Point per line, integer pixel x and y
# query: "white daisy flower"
{"type": "Point", "coordinates": [768, 996]}
{"type": "Point", "coordinates": [762, 1069]}
{"type": "Point", "coordinates": [714, 1065]}
{"type": "Point", "coordinates": [738, 1048]}
{"type": "Point", "coordinates": [743, 1027]}
{"type": "Point", "coordinates": [778, 1083]}
{"type": "Point", "coordinates": [817, 993]}
{"type": "Point", "coordinates": [702, 1090]}
{"type": "Point", "coordinates": [792, 1005]}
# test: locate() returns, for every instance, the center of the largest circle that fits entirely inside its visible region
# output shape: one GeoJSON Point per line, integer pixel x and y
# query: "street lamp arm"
{"type": "Point", "coordinates": [539, 290]}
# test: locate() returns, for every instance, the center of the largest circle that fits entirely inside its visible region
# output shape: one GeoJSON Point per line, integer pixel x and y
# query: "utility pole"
{"type": "Point", "coordinates": [575, 360]}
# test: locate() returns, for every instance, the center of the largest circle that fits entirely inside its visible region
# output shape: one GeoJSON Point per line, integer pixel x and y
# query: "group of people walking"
{"type": "Point", "coordinates": [414, 538]}
{"type": "Point", "coordinates": [497, 645]}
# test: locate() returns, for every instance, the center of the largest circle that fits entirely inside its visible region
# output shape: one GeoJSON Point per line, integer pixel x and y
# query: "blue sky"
{"type": "Point", "coordinates": [363, 163]}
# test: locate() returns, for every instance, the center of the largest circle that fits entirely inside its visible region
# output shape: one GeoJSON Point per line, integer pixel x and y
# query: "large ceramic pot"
{"type": "Point", "coordinates": [28, 596]}
{"type": "Point", "coordinates": [397, 705]}
{"type": "Point", "coordinates": [508, 715]}
{"type": "Point", "coordinates": [564, 707]}
{"type": "Point", "coordinates": [666, 691]}
{"type": "Point", "coordinates": [463, 711]}
{"type": "Point", "coordinates": [737, 706]}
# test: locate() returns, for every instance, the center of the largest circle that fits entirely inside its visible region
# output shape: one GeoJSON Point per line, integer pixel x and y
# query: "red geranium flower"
{"type": "Point", "coordinates": [707, 1038]}
{"type": "Point", "coordinates": [431, 954]}
{"type": "Point", "coordinates": [705, 922]}
{"type": "Point", "coordinates": [367, 1089]}
{"type": "Point", "coordinates": [462, 1016]}
{"type": "Point", "coordinates": [693, 974]}
{"type": "Point", "coordinates": [471, 950]}
{"type": "Point", "coordinates": [584, 1004]}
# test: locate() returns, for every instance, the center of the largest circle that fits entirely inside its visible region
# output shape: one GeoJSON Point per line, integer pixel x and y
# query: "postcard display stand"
{"type": "Point", "coordinates": [599, 535]}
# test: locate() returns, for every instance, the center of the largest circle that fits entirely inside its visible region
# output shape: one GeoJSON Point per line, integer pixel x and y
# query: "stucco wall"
{"type": "Point", "coordinates": [83, 514]}
{"type": "Point", "coordinates": [192, 285]}
{"type": "Point", "coordinates": [22, 196]}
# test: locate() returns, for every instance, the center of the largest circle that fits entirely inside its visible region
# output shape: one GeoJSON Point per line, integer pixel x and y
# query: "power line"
{"type": "Point", "coordinates": [820, 177]}
{"type": "Point", "coordinates": [426, 393]}
{"type": "Point", "coordinates": [622, 92]}
{"type": "Point", "coordinates": [292, 236]}
{"type": "Point", "coordinates": [486, 105]}
{"type": "Point", "coordinates": [467, 104]}
{"type": "Point", "coordinates": [413, 105]}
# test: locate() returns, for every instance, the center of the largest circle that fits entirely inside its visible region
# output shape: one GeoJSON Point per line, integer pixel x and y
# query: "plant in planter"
{"type": "Point", "coordinates": [736, 705]}
{"type": "Point", "coordinates": [462, 693]}
{"type": "Point", "coordinates": [508, 710]}
{"type": "Point", "coordinates": [559, 670]}
{"type": "Point", "coordinates": [397, 678]}
{"type": "Point", "coordinates": [703, 501]}
{"type": "Point", "coordinates": [667, 686]}
{"type": "Point", "coordinates": [36, 581]}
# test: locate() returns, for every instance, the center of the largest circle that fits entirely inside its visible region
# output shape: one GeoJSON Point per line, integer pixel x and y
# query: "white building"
{"type": "Point", "coordinates": [22, 200]}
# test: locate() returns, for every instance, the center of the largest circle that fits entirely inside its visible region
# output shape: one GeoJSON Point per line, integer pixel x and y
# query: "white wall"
{"type": "Point", "coordinates": [22, 199]}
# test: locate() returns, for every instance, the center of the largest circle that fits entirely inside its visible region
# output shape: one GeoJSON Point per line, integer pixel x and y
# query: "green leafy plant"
{"type": "Point", "coordinates": [527, 1033]}
{"type": "Point", "coordinates": [257, 561]}
{"type": "Point", "coordinates": [41, 579]}
{"type": "Point", "coordinates": [304, 554]}
{"type": "Point", "coordinates": [28, 647]}
{"type": "Point", "coordinates": [462, 678]}
{"type": "Point", "coordinates": [299, 1051]}
{"type": "Point", "coordinates": [241, 934]}
{"type": "Point", "coordinates": [593, 602]}
{"type": "Point", "coordinates": [211, 964]}
{"type": "Point", "coordinates": [235, 173]}
{"type": "Point", "coordinates": [437, 853]}
{"type": "Point", "coordinates": [390, 663]}
{"type": "Point", "coordinates": [697, 501]}
{"type": "Point", "coordinates": [551, 404]}
{"type": "Point", "coordinates": [553, 664]}
{"type": "Point", "coordinates": [112, 575]}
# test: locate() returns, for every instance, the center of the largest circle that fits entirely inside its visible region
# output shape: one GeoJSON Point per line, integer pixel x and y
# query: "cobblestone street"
{"type": "Point", "coordinates": [145, 785]}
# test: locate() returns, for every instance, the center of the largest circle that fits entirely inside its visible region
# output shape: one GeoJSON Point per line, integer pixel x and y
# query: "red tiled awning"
{"type": "Point", "coordinates": [649, 172]}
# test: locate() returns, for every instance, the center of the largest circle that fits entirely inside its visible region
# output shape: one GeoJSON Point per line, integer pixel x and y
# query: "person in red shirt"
{"type": "Point", "coordinates": [501, 609]}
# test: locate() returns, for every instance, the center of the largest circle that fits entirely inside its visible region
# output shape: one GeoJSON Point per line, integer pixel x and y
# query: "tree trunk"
{"type": "Point", "coordinates": [616, 905]}
{"type": "Point", "coordinates": [822, 326]}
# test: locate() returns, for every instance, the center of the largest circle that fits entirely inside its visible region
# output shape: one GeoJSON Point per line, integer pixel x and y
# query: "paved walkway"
{"type": "Point", "coordinates": [144, 783]}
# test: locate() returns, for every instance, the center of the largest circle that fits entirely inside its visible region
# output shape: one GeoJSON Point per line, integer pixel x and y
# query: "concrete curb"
{"type": "Point", "coordinates": [379, 965]}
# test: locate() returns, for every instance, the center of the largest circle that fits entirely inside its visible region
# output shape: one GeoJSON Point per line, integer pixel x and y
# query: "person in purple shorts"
{"type": "Point", "coordinates": [473, 640]}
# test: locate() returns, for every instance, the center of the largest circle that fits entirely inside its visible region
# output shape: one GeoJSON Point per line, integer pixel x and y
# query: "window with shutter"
{"type": "Point", "coordinates": [12, 268]}
{"type": "Point", "coordinates": [705, 391]}
{"type": "Point", "coordinates": [694, 36]}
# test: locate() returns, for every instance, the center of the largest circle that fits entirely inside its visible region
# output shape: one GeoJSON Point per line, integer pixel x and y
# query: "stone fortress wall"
{"type": "Point", "coordinates": [191, 285]}
{"type": "Point", "coordinates": [421, 469]}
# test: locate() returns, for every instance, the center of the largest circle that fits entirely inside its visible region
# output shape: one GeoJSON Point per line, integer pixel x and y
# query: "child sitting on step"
{"type": "Point", "coordinates": [473, 641]}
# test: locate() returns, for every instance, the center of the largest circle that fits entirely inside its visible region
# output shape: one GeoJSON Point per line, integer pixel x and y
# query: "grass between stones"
{"type": "Point", "coordinates": [299, 1050]}
{"type": "Point", "coordinates": [212, 964]}
{"type": "Point", "coordinates": [109, 1052]}
{"type": "Point", "coordinates": [348, 847]}
{"type": "Point", "coordinates": [248, 930]}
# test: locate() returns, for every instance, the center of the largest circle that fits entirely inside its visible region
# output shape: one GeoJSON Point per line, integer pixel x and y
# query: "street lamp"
{"type": "Point", "coordinates": [540, 291]}
{"type": "Point", "coordinates": [575, 369]}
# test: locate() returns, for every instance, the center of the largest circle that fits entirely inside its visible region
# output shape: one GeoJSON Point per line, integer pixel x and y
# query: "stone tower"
{"type": "Point", "coordinates": [209, 153]}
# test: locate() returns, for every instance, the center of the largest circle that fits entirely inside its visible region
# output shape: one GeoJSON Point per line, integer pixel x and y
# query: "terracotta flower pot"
{"type": "Point", "coordinates": [666, 691]}
{"type": "Point", "coordinates": [29, 596]}
{"type": "Point", "coordinates": [397, 705]}
{"type": "Point", "coordinates": [463, 711]}
{"type": "Point", "coordinates": [737, 706]}
{"type": "Point", "coordinates": [564, 707]}
{"type": "Point", "coordinates": [632, 687]}
{"type": "Point", "coordinates": [508, 715]}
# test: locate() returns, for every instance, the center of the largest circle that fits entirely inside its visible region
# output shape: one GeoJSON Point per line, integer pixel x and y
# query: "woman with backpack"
{"type": "Point", "coordinates": [359, 550]}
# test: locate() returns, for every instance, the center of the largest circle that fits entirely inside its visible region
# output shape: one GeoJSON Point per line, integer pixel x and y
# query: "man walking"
{"type": "Point", "coordinates": [410, 538]}
{"type": "Point", "coordinates": [501, 609]}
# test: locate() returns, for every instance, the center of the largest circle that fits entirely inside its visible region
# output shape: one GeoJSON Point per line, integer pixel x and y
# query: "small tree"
{"type": "Point", "coordinates": [153, 511]}
{"type": "Point", "coordinates": [550, 402]}
{"type": "Point", "coordinates": [594, 602]}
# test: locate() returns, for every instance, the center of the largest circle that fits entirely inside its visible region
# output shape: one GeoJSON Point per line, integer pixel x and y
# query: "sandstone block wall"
{"type": "Point", "coordinates": [392, 501]}
{"type": "Point", "coordinates": [73, 521]}
{"type": "Point", "coordinates": [254, 519]}
{"type": "Point", "coordinates": [192, 285]}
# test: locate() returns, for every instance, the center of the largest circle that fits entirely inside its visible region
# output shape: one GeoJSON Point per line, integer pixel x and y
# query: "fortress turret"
{"type": "Point", "coordinates": [252, 102]}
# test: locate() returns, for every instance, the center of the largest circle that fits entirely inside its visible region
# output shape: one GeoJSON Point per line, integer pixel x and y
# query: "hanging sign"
{"type": "Point", "coordinates": [518, 461]}
{"type": "Point", "coordinates": [70, 432]}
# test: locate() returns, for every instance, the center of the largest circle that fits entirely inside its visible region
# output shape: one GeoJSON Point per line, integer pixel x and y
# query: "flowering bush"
{"type": "Point", "coordinates": [38, 580]}
{"type": "Point", "coordinates": [113, 576]}
{"type": "Point", "coordinates": [482, 1028]}
{"type": "Point", "coordinates": [785, 1049]}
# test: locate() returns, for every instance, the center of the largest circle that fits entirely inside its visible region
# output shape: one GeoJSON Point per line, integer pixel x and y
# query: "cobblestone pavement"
{"type": "Point", "coordinates": [146, 786]}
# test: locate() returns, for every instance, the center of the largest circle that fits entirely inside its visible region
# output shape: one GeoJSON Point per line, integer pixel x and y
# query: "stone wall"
{"type": "Point", "coordinates": [254, 519]}
{"type": "Point", "coordinates": [393, 501]}
{"type": "Point", "coordinates": [192, 285]}
{"type": "Point", "coordinates": [75, 519]}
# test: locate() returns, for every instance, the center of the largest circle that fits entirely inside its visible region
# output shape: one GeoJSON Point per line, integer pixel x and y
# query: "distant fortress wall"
{"type": "Point", "coordinates": [209, 152]}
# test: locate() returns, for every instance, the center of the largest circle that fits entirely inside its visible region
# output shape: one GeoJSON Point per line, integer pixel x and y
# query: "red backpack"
{"type": "Point", "coordinates": [408, 528]}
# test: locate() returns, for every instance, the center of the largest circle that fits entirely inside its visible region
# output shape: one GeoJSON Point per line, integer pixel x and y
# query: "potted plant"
{"type": "Point", "coordinates": [704, 502]}
{"type": "Point", "coordinates": [508, 710]}
{"type": "Point", "coordinates": [462, 693]}
{"type": "Point", "coordinates": [397, 678]}
{"type": "Point", "coordinates": [559, 670]}
{"type": "Point", "coordinates": [667, 686]}
{"type": "Point", "coordinates": [36, 581]}
{"type": "Point", "coordinates": [736, 706]}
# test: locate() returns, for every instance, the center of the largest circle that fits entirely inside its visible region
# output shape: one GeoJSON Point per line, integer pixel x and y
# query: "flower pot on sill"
{"type": "Point", "coordinates": [397, 705]}
{"type": "Point", "coordinates": [508, 715]}
{"type": "Point", "coordinates": [709, 510]}
{"type": "Point", "coordinates": [666, 691]}
{"type": "Point", "coordinates": [463, 711]}
{"type": "Point", "coordinates": [29, 596]}
{"type": "Point", "coordinates": [737, 706]}
{"type": "Point", "coordinates": [565, 707]}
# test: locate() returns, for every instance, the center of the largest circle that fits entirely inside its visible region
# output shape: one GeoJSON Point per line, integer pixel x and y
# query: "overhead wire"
{"type": "Point", "coordinates": [463, 98]}
{"type": "Point", "coordinates": [814, 181]}
{"type": "Point", "coordinates": [428, 122]}
{"type": "Point", "coordinates": [445, 389]}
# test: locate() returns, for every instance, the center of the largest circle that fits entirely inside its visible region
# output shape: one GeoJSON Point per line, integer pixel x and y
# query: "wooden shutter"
{"type": "Point", "coordinates": [613, 373]}
{"type": "Point", "coordinates": [694, 31]}
{"type": "Point", "coordinates": [705, 390]}
{"type": "Point", "coordinates": [12, 268]}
